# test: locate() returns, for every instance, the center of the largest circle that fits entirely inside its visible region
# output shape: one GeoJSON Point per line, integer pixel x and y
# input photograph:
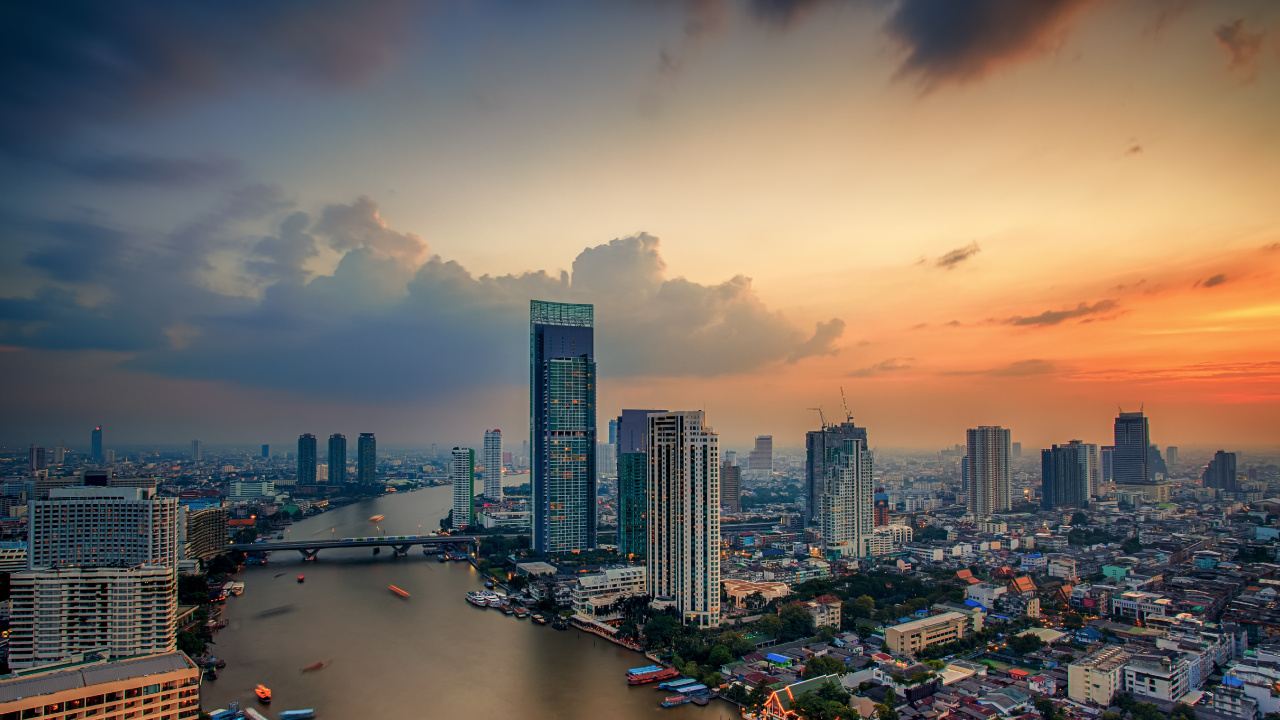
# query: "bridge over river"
{"type": "Point", "coordinates": [399, 544]}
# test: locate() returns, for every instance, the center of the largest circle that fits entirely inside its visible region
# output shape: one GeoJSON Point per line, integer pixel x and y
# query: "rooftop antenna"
{"type": "Point", "coordinates": [848, 416]}
{"type": "Point", "coordinates": [821, 417]}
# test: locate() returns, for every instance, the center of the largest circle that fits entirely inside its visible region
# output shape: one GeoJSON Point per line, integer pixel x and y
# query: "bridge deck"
{"type": "Point", "coordinates": [364, 542]}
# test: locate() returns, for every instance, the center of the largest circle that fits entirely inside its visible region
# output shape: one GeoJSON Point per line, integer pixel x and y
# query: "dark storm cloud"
{"type": "Point", "coordinates": [391, 321]}
{"type": "Point", "coordinates": [152, 170]}
{"type": "Point", "coordinates": [961, 40]}
{"type": "Point", "coordinates": [957, 256]}
{"type": "Point", "coordinates": [64, 64]}
{"type": "Point", "coordinates": [1054, 317]}
{"type": "Point", "coordinates": [1242, 47]}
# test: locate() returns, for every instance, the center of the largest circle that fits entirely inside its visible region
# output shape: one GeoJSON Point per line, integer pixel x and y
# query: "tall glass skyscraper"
{"type": "Point", "coordinates": [95, 445]}
{"type": "Point", "coordinates": [818, 446]}
{"type": "Point", "coordinates": [493, 465]}
{"type": "Point", "coordinates": [366, 461]}
{"type": "Point", "coordinates": [631, 432]}
{"type": "Point", "coordinates": [562, 425]}
{"type": "Point", "coordinates": [337, 459]}
{"type": "Point", "coordinates": [462, 471]}
{"type": "Point", "coordinates": [1129, 461]}
{"type": "Point", "coordinates": [307, 459]}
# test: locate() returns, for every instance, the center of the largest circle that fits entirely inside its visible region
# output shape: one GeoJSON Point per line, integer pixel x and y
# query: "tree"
{"type": "Point", "coordinates": [720, 656]}
{"type": "Point", "coordinates": [864, 606]}
{"type": "Point", "coordinates": [1047, 709]}
{"type": "Point", "coordinates": [819, 666]}
{"type": "Point", "coordinates": [1079, 518]}
{"type": "Point", "coordinates": [797, 622]}
{"type": "Point", "coordinates": [1182, 711]}
{"type": "Point", "coordinates": [1131, 545]}
{"type": "Point", "coordinates": [826, 633]}
{"type": "Point", "coordinates": [758, 696]}
{"type": "Point", "coordinates": [1073, 621]}
{"type": "Point", "coordinates": [191, 643]}
{"type": "Point", "coordinates": [1147, 711]}
{"type": "Point", "coordinates": [660, 631]}
{"type": "Point", "coordinates": [771, 625]}
{"type": "Point", "coordinates": [1023, 644]}
{"type": "Point", "coordinates": [884, 712]}
{"type": "Point", "coordinates": [736, 693]}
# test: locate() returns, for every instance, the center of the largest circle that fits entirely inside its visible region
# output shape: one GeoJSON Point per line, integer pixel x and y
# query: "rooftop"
{"type": "Point", "coordinates": [34, 683]}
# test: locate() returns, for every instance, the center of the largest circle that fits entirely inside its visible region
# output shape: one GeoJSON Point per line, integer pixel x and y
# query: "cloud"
{"type": "Point", "coordinates": [1020, 368]}
{"type": "Point", "coordinates": [783, 13]}
{"type": "Point", "coordinates": [1242, 47]}
{"type": "Point", "coordinates": [1203, 372]}
{"type": "Point", "coordinates": [964, 40]}
{"type": "Point", "coordinates": [67, 64]}
{"type": "Point", "coordinates": [1134, 149]}
{"type": "Point", "coordinates": [890, 365]}
{"type": "Point", "coordinates": [391, 322]}
{"type": "Point", "coordinates": [702, 19]}
{"type": "Point", "coordinates": [1054, 317]}
{"type": "Point", "coordinates": [957, 256]}
{"type": "Point", "coordinates": [1213, 281]}
{"type": "Point", "coordinates": [152, 170]}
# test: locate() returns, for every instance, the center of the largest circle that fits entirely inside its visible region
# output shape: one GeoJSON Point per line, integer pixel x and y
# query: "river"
{"type": "Point", "coordinates": [430, 656]}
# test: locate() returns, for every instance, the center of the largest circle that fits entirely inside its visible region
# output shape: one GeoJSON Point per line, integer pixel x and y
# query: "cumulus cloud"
{"type": "Point", "coordinates": [392, 321]}
{"type": "Point", "coordinates": [964, 40]}
{"type": "Point", "coordinates": [1054, 317]}
{"type": "Point", "coordinates": [884, 366]}
{"type": "Point", "coordinates": [1242, 47]}
{"type": "Point", "coordinates": [957, 256]}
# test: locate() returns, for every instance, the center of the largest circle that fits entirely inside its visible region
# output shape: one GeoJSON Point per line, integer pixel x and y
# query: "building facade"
{"type": "Point", "coordinates": [1064, 476]}
{"type": "Point", "coordinates": [761, 456]}
{"type": "Point", "coordinates": [1097, 678]}
{"type": "Point", "coordinates": [847, 498]}
{"type": "Point", "coordinates": [683, 558]}
{"type": "Point", "coordinates": [596, 596]}
{"type": "Point", "coordinates": [731, 487]}
{"type": "Point", "coordinates": [307, 459]}
{"type": "Point", "coordinates": [159, 687]}
{"type": "Point", "coordinates": [206, 533]}
{"type": "Point", "coordinates": [94, 527]}
{"type": "Point", "coordinates": [337, 460]}
{"type": "Point", "coordinates": [631, 434]}
{"type": "Point", "coordinates": [562, 422]}
{"type": "Point", "coordinates": [95, 445]}
{"type": "Point", "coordinates": [367, 461]}
{"type": "Point", "coordinates": [493, 464]}
{"type": "Point", "coordinates": [1220, 473]}
{"type": "Point", "coordinates": [909, 638]}
{"type": "Point", "coordinates": [462, 471]}
{"type": "Point", "coordinates": [1129, 463]}
{"type": "Point", "coordinates": [818, 445]}
{"type": "Point", "coordinates": [988, 449]}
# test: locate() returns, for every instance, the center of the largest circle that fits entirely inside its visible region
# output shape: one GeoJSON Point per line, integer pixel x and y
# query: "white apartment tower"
{"type": "Point", "coordinates": [683, 478]}
{"type": "Point", "coordinates": [103, 527]}
{"type": "Point", "coordinates": [848, 495]}
{"type": "Point", "coordinates": [493, 464]}
{"type": "Point", "coordinates": [462, 471]}
{"type": "Point", "coordinates": [989, 448]}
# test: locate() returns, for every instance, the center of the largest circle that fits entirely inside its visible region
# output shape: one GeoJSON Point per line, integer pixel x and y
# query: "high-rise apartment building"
{"type": "Point", "coordinates": [103, 527]}
{"type": "Point", "coordinates": [631, 433]}
{"type": "Point", "coordinates": [1095, 468]}
{"type": "Point", "coordinates": [367, 461]}
{"type": "Point", "coordinates": [337, 459]}
{"type": "Point", "coordinates": [1171, 456]}
{"type": "Point", "coordinates": [266, 451]}
{"type": "Point", "coordinates": [1130, 459]}
{"type": "Point", "coordinates": [95, 445]}
{"type": "Point", "coordinates": [307, 459]}
{"type": "Point", "coordinates": [988, 449]}
{"type": "Point", "coordinates": [1016, 450]}
{"type": "Point", "coordinates": [206, 535]}
{"type": "Point", "coordinates": [880, 508]}
{"type": "Point", "coordinates": [197, 451]}
{"type": "Point", "coordinates": [818, 445]}
{"type": "Point", "coordinates": [1064, 476]}
{"type": "Point", "coordinates": [119, 611]}
{"type": "Point", "coordinates": [731, 486]}
{"type": "Point", "coordinates": [462, 472]}
{"type": "Point", "coordinates": [60, 453]}
{"type": "Point", "coordinates": [683, 558]}
{"type": "Point", "coordinates": [493, 464]}
{"type": "Point", "coordinates": [36, 460]}
{"type": "Point", "coordinates": [761, 457]}
{"type": "Point", "coordinates": [848, 497]}
{"type": "Point", "coordinates": [1220, 473]}
{"type": "Point", "coordinates": [562, 424]}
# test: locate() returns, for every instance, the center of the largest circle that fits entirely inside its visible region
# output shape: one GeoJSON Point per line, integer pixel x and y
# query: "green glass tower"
{"type": "Point", "coordinates": [633, 498]}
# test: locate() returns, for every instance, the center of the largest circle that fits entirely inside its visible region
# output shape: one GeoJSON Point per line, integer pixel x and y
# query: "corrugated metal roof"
{"type": "Point", "coordinates": [19, 688]}
{"type": "Point", "coordinates": [55, 682]}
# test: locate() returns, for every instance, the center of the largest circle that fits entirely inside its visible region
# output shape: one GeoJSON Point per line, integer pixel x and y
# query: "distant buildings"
{"type": "Point", "coordinates": [1171, 455]}
{"type": "Point", "coordinates": [880, 510]}
{"type": "Point", "coordinates": [1220, 473]}
{"type": "Point", "coordinates": [1064, 476]}
{"type": "Point", "coordinates": [562, 423]}
{"type": "Point", "coordinates": [1097, 678]}
{"type": "Point", "coordinates": [1130, 460]}
{"type": "Point", "coordinates": [683, 558]}
{"type": "Point", "coordinates": [338, 459]}
{"type": "Point", "coordinates": [1108, 463]}
{"type": "Point", "coordinates": [493, 464]}
{"type": "Point", "coordinates": [266, 451]}
{"type": "Point", "coordinates": [631, 433]}
{"type": "Point", "coordinates": [818, 445]}
{"type": "Point", "coordinates": [847, 499]}
{"type": "Point", "coordinates": [307, 459]}
{"type": "Point", "coordinates": [988, 449]}
{"type": "Point", "coordinates": [95, 445]}
{"type": "Point", "coordinates": [761, 457]}
{"type": "Point", "coordinates": [367, 461]}
{"type": "Point", "coordinates": [462, 471]}
{"type": "Point", "coordinates": [197, 451]}
{"type": "Point", "coordinates": [97, 527]}
{"type": "Point", "coordinates": [731, 486]}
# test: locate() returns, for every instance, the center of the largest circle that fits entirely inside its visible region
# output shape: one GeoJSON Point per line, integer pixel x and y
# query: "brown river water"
{"type": "Point", "coordinates": [433, 655]}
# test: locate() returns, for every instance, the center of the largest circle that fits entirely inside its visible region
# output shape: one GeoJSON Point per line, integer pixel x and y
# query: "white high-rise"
{"type": "Point", "coordinates": [989, 448]}
{"type": "Point", "coordinates": [493, 464]}
{"type": "Point", "coordinates": [1095, 468]}
{"type": "Point", "coordinates": [683, 478]}
{"type": "Point", "coordinates": [103, 527]}
{"type": "Point", "coordinates": [462, 471]}
{"type": "Point", "coordinates": [848, 497]}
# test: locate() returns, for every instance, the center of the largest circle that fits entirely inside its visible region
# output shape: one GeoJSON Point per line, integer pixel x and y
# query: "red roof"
{"type": "Point", "coordinates": [826, 599]}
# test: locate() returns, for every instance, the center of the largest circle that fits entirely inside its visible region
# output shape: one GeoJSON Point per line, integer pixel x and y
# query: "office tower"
{"type": "Point", "coordinates": [761, 457]}
{"type": "Point", "coordinates": [36, 461]}
{"type": "Point", "coordinates": [847, 500]}
{"type": "Point", "coordinates": [1095, 468]}
{"type": "Point", "coordinates": [1108, 453]}
{"type": "Point", "coordinates": [322, 474]}
{"type": "Point", "coordinates": [632, 436]}
{"type": "Point", "coordinates": [683, 558]}
{"type": "Point", "coordinates": [730, 457]}
{"type": "Point", "coordinates": [731, 487]}
{"type": "Point", "coordinates": [818, 445]}
{"type": "Point", "coordinates": [988, 449]}
{"type": "Point", "coordinates": [60, 453]}
{"type": "Point", "coordinates": [435, 451]}
{"type": "Point", "coordinates": [109, 456]}
{"type": "Point", "coordinates": [462, 471]}
{"type": "Point", "coordinates": [197, 451]}
{"type": "Point", "coordinates": [58, 613]}
{"type": "Point", "coordinates": [96, 526]}
{"type": "Point", "coordinates": [1064, 476]}
{"type": "Point", "coordinates": [493, 464]}
{"type": "Point", "coordinates": [206, 533]}
{"type": "Point", "coordinates": [95, 445]}
{"type": "Point", "coordinates": [880, 510]}
{"type": "Point", "coordinates": [562, 425]}
{"type": "Point", "coordinates": [1220, 473]}
{"type": "Point", "coordinates": [1133, 441]}
{"type": "Point", "coordinates": [1155, 464]}
{"type": "Point", "coordinates": [366, 461]}
{"type": "Point", "coordinates": [1017, 450]}
{"type": "Point", "coordinates": [89, 685]}
{"type": "Point", "coordinates": [266, 451]}
{"type": "Point", "coordinates": [613, 432]}
{"type": "Point", "coordinates": [337, 459]}
{"type": "Point", "coordinates": [1171, 456]}
{"type": "Point", "coordinates": [307, 459]}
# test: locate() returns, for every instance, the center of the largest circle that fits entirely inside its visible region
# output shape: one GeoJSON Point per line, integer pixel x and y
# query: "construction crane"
{"type": "Point", "coordinates": [848, 416]}
{"type": "Point", "coordinates": [821, 417]}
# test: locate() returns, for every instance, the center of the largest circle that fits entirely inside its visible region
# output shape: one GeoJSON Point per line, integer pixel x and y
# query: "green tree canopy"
{"type": "Point", "coordinates": [797, 622]}
{"type": "Point", "coordinates": [1023, 644]}
{"type": "Point", "coordinates": [819, 666]}
{"type": "Point", "coordinates": [661, 630]}
{"type": "Point", "coordinates": [771, 625]}
{"type": "Point", "coordinates": [720, 655]}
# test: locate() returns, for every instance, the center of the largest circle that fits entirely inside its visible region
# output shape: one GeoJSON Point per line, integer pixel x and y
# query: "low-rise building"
{"type": "Point", "coordinates": [596, 595]}
{"type": "Point", "coordinates": [738, 590]}
{"type": "Point", "coordinates": [909, 638]}
{"type": "Point", "coordinates": [1160, 674]}
{"type": "Point", "coordinates": [1098, 677]}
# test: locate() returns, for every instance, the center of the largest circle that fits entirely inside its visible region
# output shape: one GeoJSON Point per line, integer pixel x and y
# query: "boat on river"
{"type": "Point", "coordinates": [297, 714]}
{"type": "Point", "coordinates": [302, 578]}
{"type": "Point", "coordinates": [494, 601]}
{"type": "Point", "coordinates": [654, 676]}
{"type": "Point", "coordinates": [521, 612]}
{"type": "Point", "coordinates": [398, 591]}
{"type": "Point", "coordinates": [540, 619]}
{"type": "Point", "coordinates": [442, 557]}
{"type": "Point", "coordinates": [316, 666]}
{"type": "Point", "coordinates": [675, 700]}
{"type": "Point", "coordinates": [377, 518]}
{"type": "Point", "coordinates": [264, 694]}
{"type": "Point", "coordinates": [251, 714]}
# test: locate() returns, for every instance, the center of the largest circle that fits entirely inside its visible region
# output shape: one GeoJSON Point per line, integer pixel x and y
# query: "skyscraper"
{"type": "Point", "coordinates": [683, 559]}
{"type": "Point", "coordinates": [197, 451]}
{"type": "Point", "coordinates": [988, 449]}
{"type": "Point", "coordinates": [880, 513]}
{"type": "Point", "coordinates": [632, 436]}
{"type": "Point", "coordinates": [266, 451]}
{"type": "Point", "coordinates": [493, 464]}
{"type": "Point", "coordinates": [1108, 453]}
{"type": "Point", "coordinates": [307, 459]}
{"type": "Point", "coordinates": [337, 459]}
{"type": "Point", "coordinates": [818, 445]}
{"type": "Point", "coordinates": [1064, 476]}
{"type": "Point", "coordinates": [367, 462]}
{"type": "Point", "coordinates": [1095, 468]}
{"type": "Point", "coordinates": [1133, 439]}
{"type": "Point", "coordinates": [731, 486]}
{"type": "Point", "coordinates": [1220, 473]}
{"type": "Point", "coordinates": [95, 445]}
{"type": "Point", "coordinates": [36, 459]}
{"type": "Point", "coordinates": [103, 526]}
{"type": "Point", "coordinates": [1017, 450]}
{"type": "Point", "coordinates": [848, 496]}
{"type": "Point", "coordinates": [462, 471]}
{"type": "Point", "coordinates": [761, 457]}
{"type": "Point", "coordinates": [1171, 456]}
{"type": "Point", "coordinates": [562, 424]}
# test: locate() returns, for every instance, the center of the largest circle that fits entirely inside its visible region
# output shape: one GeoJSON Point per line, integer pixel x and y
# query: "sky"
{"type": "Point", "coordinates": [245, 221]}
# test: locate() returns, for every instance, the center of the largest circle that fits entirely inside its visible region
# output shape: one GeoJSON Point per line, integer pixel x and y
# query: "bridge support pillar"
{"type": "Point", "coordinates": [400, 550]}
{"type": "Point", "coordinates": [309, 555]}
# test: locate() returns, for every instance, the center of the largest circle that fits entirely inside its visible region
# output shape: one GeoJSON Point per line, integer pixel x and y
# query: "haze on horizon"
{"type": "Point", "coordinates": [245, 222]}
